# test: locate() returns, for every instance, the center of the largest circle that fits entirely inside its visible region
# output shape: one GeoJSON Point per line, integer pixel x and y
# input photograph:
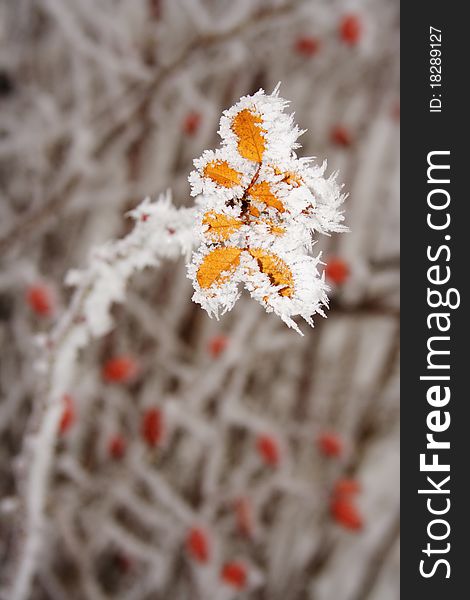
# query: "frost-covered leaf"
{"type": "Point", "coordinates": [276, 269]}
{"type": "Point", "coordinates": [219, 226]}
{"type": "Point", "coordinates": [272, 227]}
{"type": "Point", "coordinates": [290, 178]}
{"type": "Point", "coordinates": [259, 207]}
{"type": "Point", "coordinates": [262, 193]}
{"type": "Point", "coordinates": [218, 266]}
{"type": "Point", "coordinates": [247, 127]}
{"type": "Point", "coordinates": [220, 172]}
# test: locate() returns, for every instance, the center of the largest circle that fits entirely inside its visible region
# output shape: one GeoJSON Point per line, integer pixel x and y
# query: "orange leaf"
{"type": "Point", "coordinates": [220, 227]}
{"type": "Point", "coordinates": [274, 229]}
{"type": "Point", "coordinates": [276, 269]}
{"type": "Point", "coordinates": [251, 144]}
{"type": "Point", "coordinates": [220, 172]}
{"type": "Point", "coordinates": [262, 193]}
{"type": "Point", "coordinates": [289, 177]}
{"type": "Point", "coordinates": [215, 266]}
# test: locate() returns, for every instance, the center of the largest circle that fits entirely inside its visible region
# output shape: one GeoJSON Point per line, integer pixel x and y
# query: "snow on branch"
{"type": "Point", "coordinates": [160, 231]}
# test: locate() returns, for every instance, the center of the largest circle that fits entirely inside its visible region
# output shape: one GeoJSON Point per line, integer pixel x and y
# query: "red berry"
{"type": "Point", "coordinates": [40, 299]}
{"type": "Point", "coordinates": [341, 136]}
{"type": "Point", "coordinates": [268, 449]}
{"type": "Point", "coordinates": [117, 446]}
{"type": "Point", "coordinates": [68, 414]}
{"type": "Point", "coordinates": [152, 427]}
{"type": "Point", "coordinates": [350, 29]}
{"type": "Point", "coordinates": [120, 369]}
{"type": "Point", "coordinates": [123, 562]}
{"type": "Point", "coordinates": [234, 574]}
{"type": "Point", "coordinates": [217, 345]}
{"type": "Point", "coordinates": [336, 270]}
{"type": "Point", "coordinates": [346, 514]}
{"type": "Point", "coordinates": [155, 9]}
{"type": "Point", "coordinates": [307, 46]}
{"type": "Point", "coordinates": [197, 544]}
{"type": "Point", "coordinates": [244, 516]}
{"type": "Point", "coordinates": [191, 123]}
{"type": "Point", "coordinates": [346, 487]}
{"type": "Point", "coordinates": [330, 444]}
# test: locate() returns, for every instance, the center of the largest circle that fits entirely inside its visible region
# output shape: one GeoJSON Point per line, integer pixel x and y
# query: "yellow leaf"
{"type": "Point", "coordinates": [218, 266]}
{"type": "Point", "coordinates": [220, 172]}
{"type": "Point", "coordinates": [220, 227]}
{"type": "Point", "coordinates": [276, 269]}
{"type": "Point", "coordinates": [262, 192]}
{"type": "Point", "coordinates": [251, 143]}
{"type": "Point", "coordinates": [275, 229]}
{"type": "Point", "coordinates": [289, 177]}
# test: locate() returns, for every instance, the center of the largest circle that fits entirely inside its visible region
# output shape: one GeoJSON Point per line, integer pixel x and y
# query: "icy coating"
{"type": "Point", "coordinates": [259, 207]}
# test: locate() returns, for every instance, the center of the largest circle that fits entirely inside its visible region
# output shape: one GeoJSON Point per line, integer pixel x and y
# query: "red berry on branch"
{"type": "Point", "coordinates": [350, 29]}
{"type": "Point", "coordinates": [234, 574]}
{"type": "Point", "coordinates": [40, 299]}
{"type": "Point", "coordinates": [117, 446]}
{"type": "Point", "coordinates": [341, 136]}
{"type": "Point", "coordinates": [191, 123]}
{"type": "Point", "coordinates": [345, 513]}
{"type": "Point", "coordinates": [120, 369]}
{"type": "Point", "coordinates": [152, 427]}
{"type": "Point", "coordinates": [346, 487]}
{"type": "Point", "coordinates": [123, 562]}
{"type": "Point", "coordinates": [197, 544]}
{"type": "Point", "coordinates": [268, 449]}
{"type": "Point", "coordinates": [244, 516]}
{"type": "Point", "coordinates": [330, 444]}
{"type": "Point", "coordinates": [336, 270]}
{"type": "Point", "coordinates": [155, 9]}
{"type": "Point", "coordinates": [307, 46]}
{"type": "Point", "coordinates": [217, 345]}
{"type": "Point", "coordinates": [68, 414]}
{"type": "Point", "coordinates": [395, 111]}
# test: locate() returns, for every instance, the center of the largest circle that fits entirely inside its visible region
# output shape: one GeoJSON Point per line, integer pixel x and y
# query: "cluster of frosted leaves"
{"type": "Point", "coordinates": [259, 207]}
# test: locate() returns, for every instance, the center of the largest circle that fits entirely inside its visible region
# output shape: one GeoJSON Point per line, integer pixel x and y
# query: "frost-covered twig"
{"type": "Point", "coordinates": [160, 231]}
